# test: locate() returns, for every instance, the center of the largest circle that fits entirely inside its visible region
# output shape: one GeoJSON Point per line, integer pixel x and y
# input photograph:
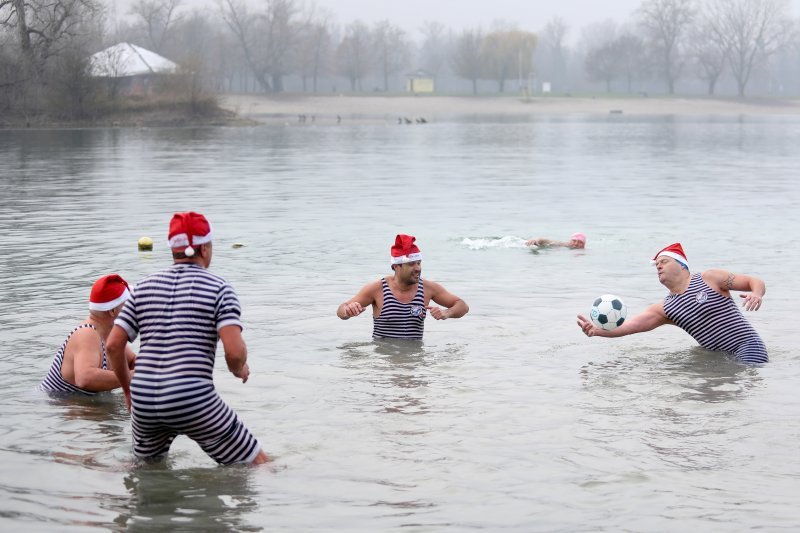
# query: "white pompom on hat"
{"type": "Point", "coordinates": [674, 251]}
{"type": "Point", "coordinates": [187, 230]}
{"type": "Point", "coordinates": [108, 292]}
{"type": "Point", "coordinates": [404, 250]}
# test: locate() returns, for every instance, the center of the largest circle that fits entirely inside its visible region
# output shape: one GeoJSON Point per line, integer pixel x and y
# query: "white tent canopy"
{"type": "Point", "coordinates": [125, 59]}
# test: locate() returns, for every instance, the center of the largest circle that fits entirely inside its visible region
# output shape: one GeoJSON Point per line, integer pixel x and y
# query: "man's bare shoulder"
{"type": "Point", "coordinates": [84, 340]}
{"type": "Point", "coordinates": [432, 287]}
{"type": "Point", "coordinates": [715, 276]}
{"type": "Point", "coordinates": [428, 282]}
{"type": "Point", "coordinates": [85, 336]}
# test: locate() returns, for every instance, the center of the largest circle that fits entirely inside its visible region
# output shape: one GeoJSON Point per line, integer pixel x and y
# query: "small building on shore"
{"type": "Point", "coordinates": [420, 82]}
{"type": "Point", "coordinates": [130, 68]}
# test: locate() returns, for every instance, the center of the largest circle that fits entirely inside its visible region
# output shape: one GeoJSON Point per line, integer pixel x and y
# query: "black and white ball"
{"type": "Point", "coordinates": [608, 312]}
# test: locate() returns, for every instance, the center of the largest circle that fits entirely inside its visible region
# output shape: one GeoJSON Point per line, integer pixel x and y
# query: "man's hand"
{"type": "Point", "coordinates": [243, 373]}
{"type": "Point", "coordinates": [751, 301]}
{"type": "Point", "coordinates": [437, 312]}
{"type": "Point", "coordinates": [352, 309]}
{"type": "Point", "coordinates": [589, 329]}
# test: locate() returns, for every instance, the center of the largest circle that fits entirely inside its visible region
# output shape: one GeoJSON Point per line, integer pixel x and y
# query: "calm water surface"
{"type": "Point", "coordinates": [508, 419]}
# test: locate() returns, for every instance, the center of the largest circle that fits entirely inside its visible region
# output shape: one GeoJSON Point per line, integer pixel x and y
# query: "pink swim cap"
{"type": "Point", "coordinates": [578, 237]}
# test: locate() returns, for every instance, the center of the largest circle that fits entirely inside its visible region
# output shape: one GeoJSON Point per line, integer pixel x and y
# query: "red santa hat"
{"type": "Point", "coordinates": [108, 292]}
{"type": "Point", "coordinates": [674, 251]}
{"type": "Point", "coordinates": [404, 250]}
{"type": "Point", "coordinates": [187, 230]}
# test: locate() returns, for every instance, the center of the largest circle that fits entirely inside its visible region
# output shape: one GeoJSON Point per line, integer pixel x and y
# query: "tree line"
{"type": "Point", "coordinates": [274, 46]}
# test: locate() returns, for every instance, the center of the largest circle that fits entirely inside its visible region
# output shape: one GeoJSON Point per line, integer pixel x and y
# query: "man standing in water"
{"type": "Point", "coordinates": [400, 302]}
{"type": "Point", "coordinates": [181, 312]}
{"type": "Point", "coordinates": [81, 365]}
{"type": "Point", "coordinates": [701, 305]}
{"type": "Point", "coordinates": [577, 241]}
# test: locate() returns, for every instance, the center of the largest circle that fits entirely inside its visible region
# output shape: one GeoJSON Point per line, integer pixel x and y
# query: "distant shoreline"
{"type": "Point", "coordinates": [304, 109]}
{"type": "Point", "coordinates": [291, 109]}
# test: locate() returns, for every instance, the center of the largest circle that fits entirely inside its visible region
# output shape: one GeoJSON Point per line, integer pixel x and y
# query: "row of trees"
{"type": "Point", "coordinates": [279, 45]}
{"type": "Point", "coordinates": [664, 40]}
{"type": "Point", "coordinates": [668, 37]}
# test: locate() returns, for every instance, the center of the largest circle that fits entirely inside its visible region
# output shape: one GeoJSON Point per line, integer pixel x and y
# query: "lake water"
{"type": "Point", "coordinates": [507, 419]}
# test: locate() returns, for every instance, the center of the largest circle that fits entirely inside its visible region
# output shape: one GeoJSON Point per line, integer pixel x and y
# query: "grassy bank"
{"type": "Point", "coordinates": [128, 112]}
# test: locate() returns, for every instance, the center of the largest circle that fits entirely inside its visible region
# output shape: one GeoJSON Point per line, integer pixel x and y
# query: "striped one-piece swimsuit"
{"type": "Point", "coordinates": [178, 313]}
{"type": "Point", "coordinates": [54, 381]}
{"type": "Point", "coordinates": [399, 320]}
{"type": "Point", "coordinates": [715, 322]}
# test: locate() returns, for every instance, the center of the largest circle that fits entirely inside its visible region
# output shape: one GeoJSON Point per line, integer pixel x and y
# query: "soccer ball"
{"type": "Point", "coordinates": [608, 312]}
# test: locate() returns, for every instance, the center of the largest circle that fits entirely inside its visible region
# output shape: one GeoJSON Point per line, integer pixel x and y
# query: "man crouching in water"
{"type": "Point", "coordinates": [81, 365]}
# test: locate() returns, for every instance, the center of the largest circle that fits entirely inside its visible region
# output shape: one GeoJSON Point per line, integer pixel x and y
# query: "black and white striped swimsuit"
{"type": "Point", "coordinates": [54, 381]}
{"type": "Point", "coordinates": [715, 322]}
{"type": "Point", "coordinates": [399, 320]}
{"type": "Point", "coordinates": [178, 313]}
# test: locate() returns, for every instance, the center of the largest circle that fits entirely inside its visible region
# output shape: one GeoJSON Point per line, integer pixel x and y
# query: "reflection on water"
{"type": "Point", "coordinates": [648, 401]}
{"type": "Point", "coordinates": [195, 499]}
{"type": "Point", "coordinates": [699, 375]}
{"type": "Point", "coordinates": [392, 364]}
{"type": "Point", "coordinates": [90, 428]}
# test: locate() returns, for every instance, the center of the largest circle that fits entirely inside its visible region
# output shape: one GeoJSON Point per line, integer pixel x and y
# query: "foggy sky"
{"type": "Point", "coordinates": [529, 15]}
{"type": "Point", "coordinates": [460, 14]}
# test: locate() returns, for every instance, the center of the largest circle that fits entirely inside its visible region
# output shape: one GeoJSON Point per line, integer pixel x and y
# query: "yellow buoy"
{"type": "Point", "coordinates": [145, 244]}
{"type": "Point", "coordinates": [237, 245]}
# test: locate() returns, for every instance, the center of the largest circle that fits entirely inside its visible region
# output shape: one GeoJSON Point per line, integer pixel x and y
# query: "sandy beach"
{"type": "Point", "coordinates": [292, 109]}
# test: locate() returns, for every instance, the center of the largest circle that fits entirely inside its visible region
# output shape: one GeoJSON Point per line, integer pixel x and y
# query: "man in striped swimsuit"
{"type": "Point", "coordinates": [701, 305]}
{"type": "Point", "coordinates": [401, 301]}
{"type": "Point", "coordinates": [80, 365]}
{"type": "Point", "coordinates": [181, 313]}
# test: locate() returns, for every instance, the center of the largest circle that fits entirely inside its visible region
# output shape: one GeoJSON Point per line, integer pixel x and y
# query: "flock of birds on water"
{"type": "Point", "coordinates": [400, 120]}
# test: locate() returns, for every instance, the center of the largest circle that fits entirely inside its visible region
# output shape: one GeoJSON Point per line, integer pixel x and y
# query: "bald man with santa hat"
{"type": "Point", "coordinates": [81, 365]}
{"type": "Point", "coordinates": [700, 304]}
{"type": "Point", "coordinates": [400, 302]}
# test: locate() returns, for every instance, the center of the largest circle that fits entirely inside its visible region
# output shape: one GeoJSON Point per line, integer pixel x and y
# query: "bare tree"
{"type": "Point", "coordinates": [631, 58]}
{"type": "Point", "coordinates": [466, 58]}
{"type": "Point", "coordinates": [267, 38]}
{"type": "Point", "coordinates": [354, 53]}
{"type": "Point", "coordinates": [243, 26]}
{"type": "Point", "coordinates": [315, 47]}
{"type": "Point", "coordinates": [749, 30]}
{"type": "Point", "coordinates": [195, 45]}
{"type": "Point", "coordinates": [391, 49]}
{"type": "Point", "coordinates": [281, 37]}
{"type": "Point", "coordinates": [602, 64]}
{"type": "Point", "coordinates": [157, 18]}
{"type": "Point", "coordinates": [599, 54]}
{"type": "Point", "coordinates": [44, 28]}
{"type": "Point", "coordinates": [552, 39]}
{"type": "Point", "coordinates": [435, 48]}
{"type": "Point", "coordinates": [74, 91]}
{"type": "Point", "coordinates": [708, 53]}
{"type": "Point", "coordinates": [666, 23]}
